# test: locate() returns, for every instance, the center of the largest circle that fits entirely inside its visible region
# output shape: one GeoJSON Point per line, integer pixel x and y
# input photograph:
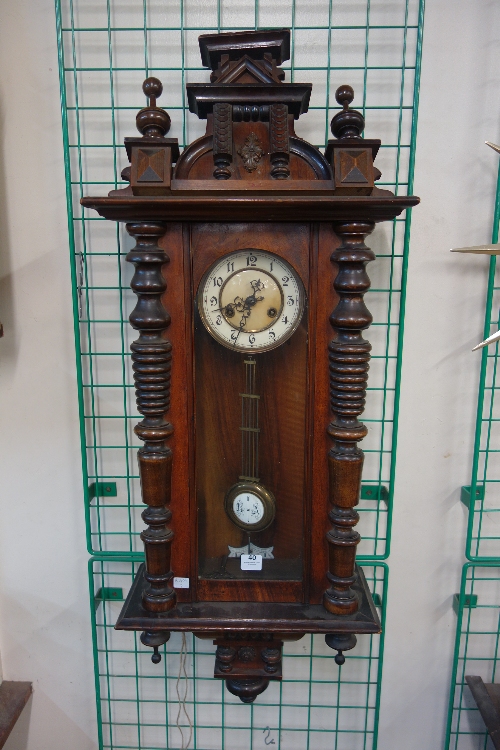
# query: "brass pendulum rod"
{"type": "Point", "coordinates": [250, 425]}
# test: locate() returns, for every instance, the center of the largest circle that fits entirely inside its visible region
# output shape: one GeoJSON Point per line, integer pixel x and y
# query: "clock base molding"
{"type": "Point", "coordinates": [248, 634]}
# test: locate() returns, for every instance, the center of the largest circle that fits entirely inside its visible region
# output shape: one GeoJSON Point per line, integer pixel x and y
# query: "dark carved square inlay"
{"type": "Point", "coordinates": [354, 166]}
{"type": "Point", "coordinates": [150, 165]}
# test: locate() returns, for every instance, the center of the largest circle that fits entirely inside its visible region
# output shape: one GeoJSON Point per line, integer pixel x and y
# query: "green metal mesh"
{"type": "Point", "coordinates": [317, 706]}
{"type": "Point", "coordinates": [106, 49]}
{"type": "Point", "coordinates": [483, 532]}
{"type": "Point", "coordinates": [477, 652]}
{"type": "Point", "coordinates": [477, 643]}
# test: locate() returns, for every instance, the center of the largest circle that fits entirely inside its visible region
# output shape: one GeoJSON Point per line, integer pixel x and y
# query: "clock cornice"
{"type": "Point", "coordinates": [254, 205]}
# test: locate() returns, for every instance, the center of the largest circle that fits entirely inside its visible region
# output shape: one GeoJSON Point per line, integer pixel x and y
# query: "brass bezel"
{"type": "Point", "coordinates": [249, 349]}
{"type": "Point", "coordinates": [264, 495]}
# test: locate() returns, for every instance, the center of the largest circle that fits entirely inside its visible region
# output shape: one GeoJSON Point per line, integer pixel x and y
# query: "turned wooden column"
{"type": "Point", "coordinates": [279, 146]}
{"type": "Point", "coordinates": [222, 140]}
{"type": "Point", "coordinates": [349, 355]}
{"type": "Point", "coordinates": [151, 357]}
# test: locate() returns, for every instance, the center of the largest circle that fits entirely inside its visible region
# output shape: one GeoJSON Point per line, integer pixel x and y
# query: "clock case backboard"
{"type": "Point", "coordinates": [250, 182]}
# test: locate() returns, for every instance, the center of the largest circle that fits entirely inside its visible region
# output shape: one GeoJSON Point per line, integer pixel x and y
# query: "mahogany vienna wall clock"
{"type": "Point", "coordinates": [250, 365]}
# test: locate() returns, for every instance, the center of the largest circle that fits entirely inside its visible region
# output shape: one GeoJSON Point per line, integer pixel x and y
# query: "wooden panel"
{"type": "Point", "coordinates": [249, 591]}
{"type": "Point", "coordinates": [210, 241]}
{"type": "Point", "coordinates": [200, 165]}
{"type": "Point", "coordinates": [177, 303]}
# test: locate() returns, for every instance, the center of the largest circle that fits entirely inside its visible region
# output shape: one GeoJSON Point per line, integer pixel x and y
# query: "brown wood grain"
{"type": "Point", "coordinates": [177, 301]}
{"type": "Point", "coordinates": [252, 205]}
{"type": "Point", "coordinates": [249, 591]}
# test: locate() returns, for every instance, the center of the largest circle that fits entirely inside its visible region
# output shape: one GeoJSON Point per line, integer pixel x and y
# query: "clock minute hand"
{"type": "Point", "coordinates": [245, 306]}
{"type": "Point", "coordinates": [251, 300]}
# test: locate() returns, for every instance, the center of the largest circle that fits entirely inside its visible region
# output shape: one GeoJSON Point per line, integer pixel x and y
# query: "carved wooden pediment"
{"type": "Point", "coordinates": [247, 70]}
{"type": "Point", "coordinates": [250, 113]}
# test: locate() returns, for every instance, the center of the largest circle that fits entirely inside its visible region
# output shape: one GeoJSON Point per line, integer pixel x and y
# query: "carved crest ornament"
{"type": "Point", "coordinates": [251, 152]}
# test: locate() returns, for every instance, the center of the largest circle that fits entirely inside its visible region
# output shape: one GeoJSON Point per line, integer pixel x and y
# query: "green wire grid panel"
{"type": "Point", "coordinates": [477, 652]}
{"type": "Point", "coordinates": [106, 49]}
{"type": "Point", "coordinates": [483, 497]}
{"type": "Point", "coordinates": [317, 706]}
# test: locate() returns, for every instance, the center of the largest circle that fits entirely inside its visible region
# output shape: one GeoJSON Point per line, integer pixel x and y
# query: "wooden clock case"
{"type": "Point", "coordinates": [250, 182]}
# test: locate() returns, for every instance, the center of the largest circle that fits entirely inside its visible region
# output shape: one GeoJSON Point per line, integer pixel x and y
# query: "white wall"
{"type": "Point", "coordinates": [44, 610]}
{"type": "Point", "coordinates": [44, 620]}
{"type": "Point", "coordinates": [455, 177]}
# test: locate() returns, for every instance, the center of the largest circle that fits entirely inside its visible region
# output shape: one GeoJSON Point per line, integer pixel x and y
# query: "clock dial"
{"type": "Point", "coordinates": [251, 300]}
{"type": "Point", "coordinates": [248, 508]}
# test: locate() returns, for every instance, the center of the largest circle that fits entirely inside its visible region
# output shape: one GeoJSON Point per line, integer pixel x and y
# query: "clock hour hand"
{"type": "Point", "coordinates": [244, 306]}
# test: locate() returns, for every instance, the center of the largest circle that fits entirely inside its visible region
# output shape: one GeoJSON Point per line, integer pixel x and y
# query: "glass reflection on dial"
{"type": "Point", "coordinates": [248, 508]}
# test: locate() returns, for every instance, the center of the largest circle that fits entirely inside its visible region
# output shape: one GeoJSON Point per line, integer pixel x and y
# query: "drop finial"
{"type": "Point", "coordinates": [349, 123]}
{"type": "Point", "coordinates": [339, 658]}
{"type": "Point", "coordinates": [152, 121]}
{"type": "Point", "coordinates": [340, 643]}
{"type": "Point", "coordinates": [155, 639]}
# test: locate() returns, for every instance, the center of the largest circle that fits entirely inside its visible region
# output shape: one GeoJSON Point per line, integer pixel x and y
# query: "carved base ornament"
{"type": "Point", "coordinates": [254, 242]}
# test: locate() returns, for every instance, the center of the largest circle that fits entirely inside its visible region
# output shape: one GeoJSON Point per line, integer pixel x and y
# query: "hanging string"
{"type": "Point", "coordinates": [182, 698]}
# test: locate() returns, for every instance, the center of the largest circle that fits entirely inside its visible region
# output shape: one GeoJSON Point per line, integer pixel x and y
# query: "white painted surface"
{"type": "Point", "coordinates": [44, 620]}
{"type": "Point", "coordinates": [44, 611]}
{"type": "Point", "coordinates": [455, 177]}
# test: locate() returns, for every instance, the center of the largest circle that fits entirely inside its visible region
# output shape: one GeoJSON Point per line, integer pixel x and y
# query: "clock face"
{"type": "Point", "coordinates": [251, 300]}
{"type": "Point", "coordinates": [248, 508]}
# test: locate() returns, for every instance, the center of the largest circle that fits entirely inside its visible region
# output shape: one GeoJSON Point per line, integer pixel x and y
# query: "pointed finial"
{"type": "Point", "coordinates": [349, 123]}
{"type": "Point", "coordinates": [152, 121]}
{"type": "Point", "coordinates": [490, 340]}
{"type": "Point", "coordinates": [493, 146]}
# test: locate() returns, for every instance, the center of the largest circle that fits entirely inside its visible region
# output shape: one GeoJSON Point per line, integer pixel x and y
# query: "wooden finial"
{"type": "Point", "coordinates": [345, 95]}
{"type": "Point", "coordinates": [349, 123]}
{"type": "Point", "coordinates": [152, 121]}
{"type": "Point", "coordinates": [153, 89]}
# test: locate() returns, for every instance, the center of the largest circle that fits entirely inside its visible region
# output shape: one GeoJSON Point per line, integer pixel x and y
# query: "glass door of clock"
{"type": "Point", "coordinates": [251, 425]}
